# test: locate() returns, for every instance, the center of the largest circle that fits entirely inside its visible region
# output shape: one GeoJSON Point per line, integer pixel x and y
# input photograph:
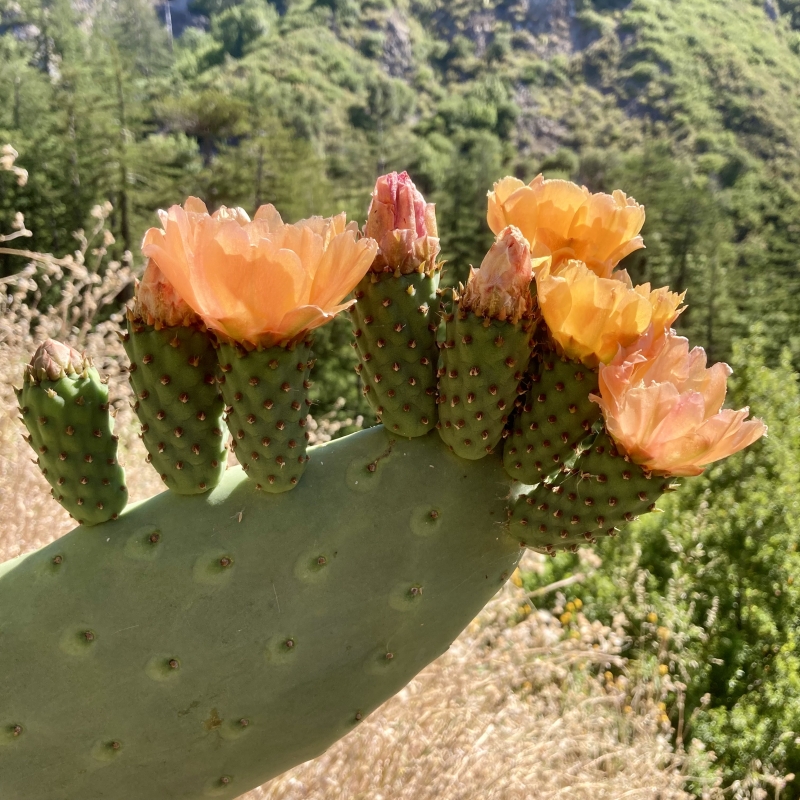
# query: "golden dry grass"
{"type": "Point", "coordinates": [514, 710]}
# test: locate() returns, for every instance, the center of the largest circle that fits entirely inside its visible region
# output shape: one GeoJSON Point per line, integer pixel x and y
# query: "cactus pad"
{"type": "Point", "coordinates": [604, 493]}
{"type": "Point", "coordinates": [556, 416]}
{"type": "Point", "coordinates": [395, 322]}
{"type": "Point", "coordinates": [265, 393]}
{"type": "Point", "coordinates": [140, 663]}
{"type": "Point", "coordinates": [71, 430]}
{"type": "Point", "coordinates": [480, 370]}
{"type": "Point", "coordinates": [173, 375]}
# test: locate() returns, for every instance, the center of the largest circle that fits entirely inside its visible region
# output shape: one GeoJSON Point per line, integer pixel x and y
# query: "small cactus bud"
{"type": "Point", "coordinates": [53, 360]}
{"type": "Point", "coordinates": [157, 303]}
{"type": "Point", "coordinates": [500, 287]}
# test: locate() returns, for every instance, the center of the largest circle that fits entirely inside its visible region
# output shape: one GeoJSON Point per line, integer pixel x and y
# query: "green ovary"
{"type": "Point", "coordinates": [480, 371]}
{"type": "Point", "coordinates": [173, 375]}
{"type": "Point", "coordinates": [265, 393]}
{"type": "Point", "coordinates": [395, 322]}
{"type": "Point", "coordinates": [556, 416]}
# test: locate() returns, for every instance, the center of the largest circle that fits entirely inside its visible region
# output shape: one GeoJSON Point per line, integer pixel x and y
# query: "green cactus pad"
{"type": "Point", "coordinates": [395, 322]}
{"type": "Point", "coordinates": [161, 665]}
{"type": "Point", "coordinates": [556, 416]}
{"type": "Point", "coordinates": [173, 374]}
{"type": "Point", "coordinates": [480, 370]}
{"type": "Point", "coordinates": [265, 393]}
{"type": "Point", "coordinates": [71, 430]}
{"type": "Point", "coordinates": [602, 495]}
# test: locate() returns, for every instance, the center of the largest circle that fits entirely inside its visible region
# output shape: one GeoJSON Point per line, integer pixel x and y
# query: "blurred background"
{"type": "Point", "coordinates": [666, 662]}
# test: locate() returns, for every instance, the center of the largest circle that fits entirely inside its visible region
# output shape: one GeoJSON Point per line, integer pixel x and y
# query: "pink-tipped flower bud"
{"type": "Point", "coordinates": [157, 303]}
{"type": "Point", "coordinates": [54, 360]}
{"type": "Point", "coordinates": [403, 225]}
{"type": "Point", "coordinates": [500, 288]}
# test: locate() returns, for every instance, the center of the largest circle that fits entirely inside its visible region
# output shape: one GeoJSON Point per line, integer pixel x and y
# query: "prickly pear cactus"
{"type": "Point", "coordinates": [482, 365]}
{"type": "Point", "coordinates": [64, 405]}
{"type": "Point", "coordinates": [395, 320]}
{"type": "Point", "coordinates": [203, 644]}
{"type": "Point", "coordinates": [266, 399]}
{"type": "Point", "coordinates": [173, 375]}
{"type": "Point", "coordinates": [556, 416]}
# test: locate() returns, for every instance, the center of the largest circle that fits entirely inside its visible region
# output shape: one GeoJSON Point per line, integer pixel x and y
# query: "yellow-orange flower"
{"type": "Point", "coordinates": [571, 222]}
{"type": "Point", "coordinates": [590, 317]}
{"type": "Point", "coordinates": [260, 281]}
{"type": "Point", "coordinates": [662, 404]}
{"type": "Point", "coordinates": [500, 288]}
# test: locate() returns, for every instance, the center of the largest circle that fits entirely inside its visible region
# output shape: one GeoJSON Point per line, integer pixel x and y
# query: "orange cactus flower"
{"type": "Point", "coordinates": [259, 281]}
{"type": "Point", "coordinates": [590, 317]}
{"type": "Point", "coordinates": [500, 288]}
{"type": "Point", "coordinates": [571, 222]}
{"type": "Point", "coordinates": [663, 406]}
{"type": "Point", "coordinates": [403, 225]}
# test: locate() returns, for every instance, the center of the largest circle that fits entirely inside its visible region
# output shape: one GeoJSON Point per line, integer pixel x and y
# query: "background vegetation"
{"type": "Point", "coordinates": [691, 106]}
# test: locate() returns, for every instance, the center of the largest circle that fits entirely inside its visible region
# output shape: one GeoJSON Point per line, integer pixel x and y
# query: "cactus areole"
{"type": "Point", "coordinates": [205, 640]}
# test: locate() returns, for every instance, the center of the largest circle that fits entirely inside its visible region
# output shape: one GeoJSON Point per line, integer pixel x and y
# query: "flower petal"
{"type": "Point", "coordinates": [590, 317]}
{"type": "Point", "coordinates": [502, 190]}
{"type": "Point", "coordinates": [343, 265]}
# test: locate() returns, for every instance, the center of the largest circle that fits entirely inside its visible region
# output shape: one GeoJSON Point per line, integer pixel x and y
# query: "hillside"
{"type": "Point", "coordinates": [690, 106]}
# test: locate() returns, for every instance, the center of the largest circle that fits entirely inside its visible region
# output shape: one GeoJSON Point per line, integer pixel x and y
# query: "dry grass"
{"type": "Point", "coordinates": [522, 706]}
{"type": "Point", "coordinates": [518, 708]}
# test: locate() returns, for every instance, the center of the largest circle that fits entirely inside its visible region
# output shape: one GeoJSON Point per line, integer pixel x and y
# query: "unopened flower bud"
{"type": "Point", "coordinates": [157, 303]}
{"type": "Point", "coordinates": [403, 225]}
{"type": "Point", "coordinates": [500, 288]}
{"type": "Point", "coordinates": [53, 360]}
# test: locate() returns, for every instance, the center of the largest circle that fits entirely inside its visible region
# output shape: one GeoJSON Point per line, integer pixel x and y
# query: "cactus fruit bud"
{"type": "Point", "coordinates": [500, 288]}
{"type": "Point", "coordinates": [157, 303]}
{"type": "Point", "coordinates": [487, 349]}
{"type": "Point", "coordinates": [597, 498]}
{"type": "Point", "coordinates": [173, 367]}
{"type": "Point", "coordinates": [66, 411]}
{"type": "Point", "coordinates": [53, 361]}
{"type": "Point", "coordinates": [173, 375]}
{"type": "Point", "coordinates": [395, 317]}
{"type": "Point", "coordinates": [556, 415]}
{"type": "Point", "coordinates": [266, 408]}
{"type": "Point", "coordinates": [403, 225]}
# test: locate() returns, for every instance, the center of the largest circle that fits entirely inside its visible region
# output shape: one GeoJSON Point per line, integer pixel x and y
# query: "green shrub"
{"type": "Point", "coordinates": [719, 571]}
